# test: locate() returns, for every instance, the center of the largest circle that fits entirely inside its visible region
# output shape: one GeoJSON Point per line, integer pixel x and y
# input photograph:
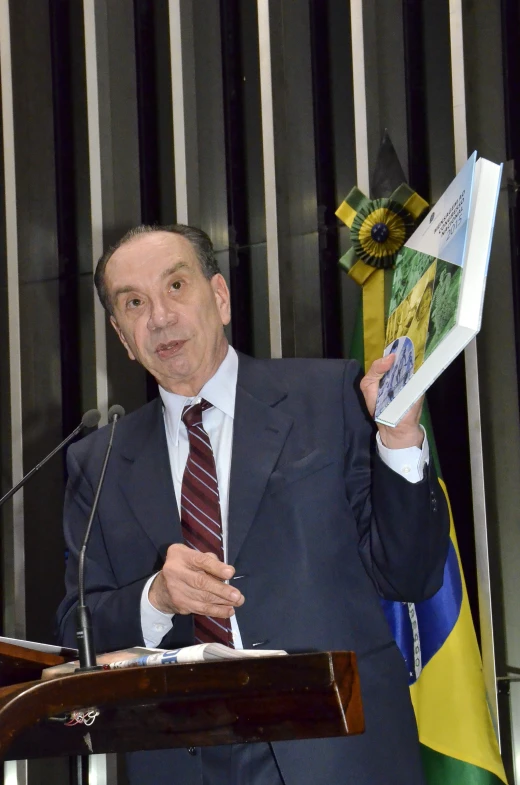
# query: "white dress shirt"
{"type": "Point", "coordinates": [220, 391]}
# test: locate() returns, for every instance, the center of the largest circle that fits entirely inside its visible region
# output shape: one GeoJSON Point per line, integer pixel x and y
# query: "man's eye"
{"type": "Point", "coordinates": [133, 303]}
{"type": "Point", "coordinates": [176, 285]}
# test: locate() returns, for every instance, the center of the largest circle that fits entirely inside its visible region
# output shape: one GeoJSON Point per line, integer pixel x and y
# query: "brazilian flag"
{"type": "Point", "coordinates": [436, 637]}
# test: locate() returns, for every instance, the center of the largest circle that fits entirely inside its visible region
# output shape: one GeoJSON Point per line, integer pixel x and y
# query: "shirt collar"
{"type": "Point", "coordinates": [220, 391]}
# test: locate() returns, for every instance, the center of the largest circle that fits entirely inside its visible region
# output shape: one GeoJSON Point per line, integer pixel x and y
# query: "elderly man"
{"type": "Point", "coordinates": [252, 503]}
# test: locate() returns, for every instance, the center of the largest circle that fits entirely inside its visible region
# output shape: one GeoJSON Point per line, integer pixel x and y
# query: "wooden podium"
{"type": "Point", "coordinates": [299, 696]}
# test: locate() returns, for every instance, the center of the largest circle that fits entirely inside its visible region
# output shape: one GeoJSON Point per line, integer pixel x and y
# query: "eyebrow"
{"type": "Point", "coordinates": [175, 268]}
{"type": "Point", "coordinates": [166, 274]}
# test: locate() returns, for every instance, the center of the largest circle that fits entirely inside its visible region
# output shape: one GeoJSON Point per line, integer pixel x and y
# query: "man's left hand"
{"type": "Point", "coordinates": [408, 432]}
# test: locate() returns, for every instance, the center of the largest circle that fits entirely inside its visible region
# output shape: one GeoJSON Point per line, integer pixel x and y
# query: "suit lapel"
{"type": "Point", "coordinates": [148, 485]}
{"type": "Point", "coordinates": [259, 434]}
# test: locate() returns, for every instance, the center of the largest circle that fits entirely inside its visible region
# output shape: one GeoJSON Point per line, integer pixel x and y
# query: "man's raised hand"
{"type": "Point", "coordinates": [408, 432]}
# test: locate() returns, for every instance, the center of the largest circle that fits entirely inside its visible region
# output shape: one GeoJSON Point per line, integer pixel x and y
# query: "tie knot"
{"type": "Point", "coordinates": [192, 414]}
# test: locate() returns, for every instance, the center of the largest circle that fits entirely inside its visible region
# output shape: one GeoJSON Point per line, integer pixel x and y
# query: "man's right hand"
{"type": "Point", "coordinates": [193, 582]}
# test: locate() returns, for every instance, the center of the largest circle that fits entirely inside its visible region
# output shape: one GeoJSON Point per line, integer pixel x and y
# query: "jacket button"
{"type": "Point", "coordinates": [192, 750]}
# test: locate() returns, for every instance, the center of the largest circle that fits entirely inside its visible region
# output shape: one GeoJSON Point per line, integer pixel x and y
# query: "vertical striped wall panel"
{"type": "Point", "coordinates": [251, 120]}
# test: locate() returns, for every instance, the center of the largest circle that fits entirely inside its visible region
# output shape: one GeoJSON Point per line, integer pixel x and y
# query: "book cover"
{"type": "Point", "coordinates": [426, 292]}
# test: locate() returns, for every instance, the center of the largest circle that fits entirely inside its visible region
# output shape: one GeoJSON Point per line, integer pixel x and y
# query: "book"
{"type": "Point", "coordinates": [438, 285]}
{"type": "Point", "coordinates": [141, 656]}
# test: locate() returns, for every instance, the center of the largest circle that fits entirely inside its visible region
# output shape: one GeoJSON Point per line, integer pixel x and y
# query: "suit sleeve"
{"type": "Point", "coordinates": [403, 527]}
{"type": "Point", "coordinates": [115, 609]}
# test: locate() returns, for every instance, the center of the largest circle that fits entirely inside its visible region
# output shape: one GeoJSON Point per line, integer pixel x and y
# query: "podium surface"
{"type": "Point", "coordinates": [202, 704]}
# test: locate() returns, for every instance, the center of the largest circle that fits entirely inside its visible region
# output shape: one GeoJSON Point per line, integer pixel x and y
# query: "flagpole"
{"type": "Point", "coordinates": [473, 392]}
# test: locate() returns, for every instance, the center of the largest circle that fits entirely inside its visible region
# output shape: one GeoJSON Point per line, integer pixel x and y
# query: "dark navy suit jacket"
{"type": "Point", "coordinates": [319, 528]}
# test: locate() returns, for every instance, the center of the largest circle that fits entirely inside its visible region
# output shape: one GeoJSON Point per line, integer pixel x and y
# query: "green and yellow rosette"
{"type": "Point", "coordinates": [378, 230]}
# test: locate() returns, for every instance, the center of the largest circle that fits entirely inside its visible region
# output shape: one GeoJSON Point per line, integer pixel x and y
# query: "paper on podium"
{"type": "Point", "coordinates": [141, 656]}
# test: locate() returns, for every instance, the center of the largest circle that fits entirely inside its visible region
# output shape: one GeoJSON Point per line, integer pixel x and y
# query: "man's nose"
{"type": "Point", "coordinates": [162, 314]}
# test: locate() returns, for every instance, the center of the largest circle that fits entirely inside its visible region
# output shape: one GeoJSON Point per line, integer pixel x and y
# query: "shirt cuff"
{"type": "Point", "coordinates": [154, 623]}
{"type": "Point", "coordinates": [409, 461]}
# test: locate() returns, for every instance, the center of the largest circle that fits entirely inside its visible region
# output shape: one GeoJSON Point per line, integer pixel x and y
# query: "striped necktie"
{"type": "Point", "coordinates": [200, 512]}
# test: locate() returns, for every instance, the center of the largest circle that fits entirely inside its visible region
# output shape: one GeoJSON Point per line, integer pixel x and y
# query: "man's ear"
{"type": "Point", "coordinates": [222, 297]}
{"type": "Point", "coordinates": [121, 337]}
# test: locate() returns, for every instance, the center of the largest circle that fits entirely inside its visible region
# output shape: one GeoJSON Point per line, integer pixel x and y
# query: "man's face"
{"type": "Point", "coordinates": [168, 316]}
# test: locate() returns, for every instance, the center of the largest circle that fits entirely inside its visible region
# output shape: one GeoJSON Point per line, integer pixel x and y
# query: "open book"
{"type": "Point", "coordinates": [438, 288]}
{"type": "Point", "coordinates": [202, 652]}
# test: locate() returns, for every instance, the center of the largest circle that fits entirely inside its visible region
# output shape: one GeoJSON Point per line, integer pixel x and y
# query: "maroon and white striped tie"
{"type": "Point", "coordinates": [200, 512]}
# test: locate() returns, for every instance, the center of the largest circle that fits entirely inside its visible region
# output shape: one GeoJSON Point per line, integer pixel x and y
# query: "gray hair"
{"type": "Point", "coordinates": [200, 241]}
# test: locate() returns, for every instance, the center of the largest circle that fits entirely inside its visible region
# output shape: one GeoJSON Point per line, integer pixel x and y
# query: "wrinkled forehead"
{"type": "Point", "coordinates": [153, 247]}
{"type": "Point", "coordinates": [148, 257]}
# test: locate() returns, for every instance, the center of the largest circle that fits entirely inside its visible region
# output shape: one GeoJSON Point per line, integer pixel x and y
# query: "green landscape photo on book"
{"type": "Point", "coordinates": [410, 267]}
{"type": "Point", "coordinates": [411, 317]}
{"type": "Point", "coordinates": [445, 301]}
{"type": "Point", "coordinates": [425, 296]}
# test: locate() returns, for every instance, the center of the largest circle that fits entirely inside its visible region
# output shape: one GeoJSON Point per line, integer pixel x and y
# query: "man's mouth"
{"type": "Point", "coordinates": [167, 350]}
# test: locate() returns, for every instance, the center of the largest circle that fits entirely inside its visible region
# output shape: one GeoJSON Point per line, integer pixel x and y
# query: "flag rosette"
{"type": "Point", "coordinates": [379, 230]}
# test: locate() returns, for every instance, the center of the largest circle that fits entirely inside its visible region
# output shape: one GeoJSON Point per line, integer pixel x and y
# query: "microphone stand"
{"type": "Point", "coordinates": [89, 420]}
{"type": "Point", "coordinates": [85, 634]}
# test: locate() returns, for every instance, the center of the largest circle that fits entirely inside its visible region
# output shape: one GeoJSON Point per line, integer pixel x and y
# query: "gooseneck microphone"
{"type": "Point", "coordinates": [84, 632]}
{"type": "Point", "coordinates": [89, 420]}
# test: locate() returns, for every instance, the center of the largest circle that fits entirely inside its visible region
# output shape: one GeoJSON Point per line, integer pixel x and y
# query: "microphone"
{"type": "Point", "coordinates": [84, 632]}
{"type": "Point", "coordinates": [89, 420]}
